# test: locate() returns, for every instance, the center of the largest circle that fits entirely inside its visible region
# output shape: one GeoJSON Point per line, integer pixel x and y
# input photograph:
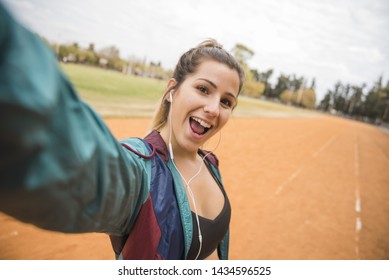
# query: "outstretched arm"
{"type": "Point", "coordinates": [60, 167]}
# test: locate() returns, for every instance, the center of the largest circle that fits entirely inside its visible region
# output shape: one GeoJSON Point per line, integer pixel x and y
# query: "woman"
{"type": "Point", "coordinates": [61, 169]}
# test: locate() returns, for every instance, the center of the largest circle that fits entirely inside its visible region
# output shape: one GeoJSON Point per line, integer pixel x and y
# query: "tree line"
{"type": "Point", "coordinates": [108, 58]}
{"type": "Point", "coordinates": [289, 89]}
{"type": "Point", "coordinates": [358, 102]}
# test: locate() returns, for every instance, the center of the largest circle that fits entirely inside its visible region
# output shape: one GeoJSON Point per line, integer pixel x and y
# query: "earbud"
{"type": "Point", "coordinates": [170, 120]}
{"type": "Point", "coordinates": [171, 95]}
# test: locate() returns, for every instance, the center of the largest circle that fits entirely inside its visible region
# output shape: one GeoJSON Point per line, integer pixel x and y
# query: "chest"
{"type": "Point", "coordinates": [204, 194]}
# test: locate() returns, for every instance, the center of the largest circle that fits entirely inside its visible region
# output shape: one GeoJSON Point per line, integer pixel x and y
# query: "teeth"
{"type": "Point", "coordinates": [201, 122]}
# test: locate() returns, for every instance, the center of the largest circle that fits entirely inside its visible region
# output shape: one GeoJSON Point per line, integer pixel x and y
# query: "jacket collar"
{"type": "Point", "coordinates": [155, 139]}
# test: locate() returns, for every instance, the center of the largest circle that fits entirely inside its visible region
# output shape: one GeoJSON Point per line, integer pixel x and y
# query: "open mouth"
{"type": "Point", "coordinates": [199, 126]}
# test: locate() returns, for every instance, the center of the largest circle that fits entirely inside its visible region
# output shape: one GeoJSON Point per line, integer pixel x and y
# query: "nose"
{"type": "Point", "coordinates": [212, 107]}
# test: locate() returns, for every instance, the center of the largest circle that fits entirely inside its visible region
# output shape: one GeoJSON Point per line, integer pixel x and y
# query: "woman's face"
{"type": "Point", "coordinates": [203, 104]}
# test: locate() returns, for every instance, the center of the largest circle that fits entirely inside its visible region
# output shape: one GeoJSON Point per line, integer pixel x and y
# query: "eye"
{"type": "Point", "coordinates": [203, 89]}
{"type": "Point", "coordinates": [226, 103]}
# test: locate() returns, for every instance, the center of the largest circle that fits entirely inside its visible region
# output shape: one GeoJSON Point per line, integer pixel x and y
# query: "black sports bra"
{"type": "Point", "coordinates": [212, 231]}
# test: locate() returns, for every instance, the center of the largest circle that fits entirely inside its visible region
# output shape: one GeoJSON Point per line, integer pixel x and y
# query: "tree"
{"type": "Point", "coordinates": [252, 86]}
{"type": "Point", "coordinates": [308, 99]}
{"type": "Point", "coordinates": [352, 100]}
{"type": "Point", "coordinates": [385, 101]}
{"type": "Point", "coordinates": [313, 84]}
{"type": "Point", "coordinates": [253, 89]}
{"type": "Point", "coordinates": [356, 100]}
{"type": "Point", "coordinates": [372, 102]}
{"type": "Point", "coordinates": [283, 83]}
{"type": "Point", "coordinates": [69, 53]}
{"type": "Point", "coordinates": [90, 57]}
{"type": "Point", "coordinates": [325, 103]}
{"type": "Point", "coordinates": [265, 76]}
{"type": "Point", "coordinates": [346, 92]}
{"type": "Point", "coordinates": [337, 97]}
{"type": "Point", "coordinates": [287, 96]}
{"type": "Point", "coordinates": [110, 53]}
{"type": "Point", "coordinates": [242, 53]}
{"type": "Point", "coordinates": [111, 57]}
{"type": "Point", "coordinates": [296, 83]}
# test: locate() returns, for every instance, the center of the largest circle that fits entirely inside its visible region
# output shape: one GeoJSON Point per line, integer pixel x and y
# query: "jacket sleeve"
{"type": "Point", "coordinates": [60, 167]}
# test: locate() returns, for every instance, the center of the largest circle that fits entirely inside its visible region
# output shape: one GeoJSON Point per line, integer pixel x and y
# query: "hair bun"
{"type": "Point", "coordinates": [210, 43]}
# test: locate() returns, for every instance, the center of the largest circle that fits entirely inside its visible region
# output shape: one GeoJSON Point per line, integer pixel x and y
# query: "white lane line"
{"type": "Point", "coordinates": [321, 149]}
{"type": "Point", "coordinates": [298, 171]}
{"type": "Point", "coordinates": [290, 179]}
{"type": "Point", "coordinates": [358, 224]}
{"type": "Point", "coordinates": [358, 206]}
{"type": "Point", "coordinates": [358, 228]}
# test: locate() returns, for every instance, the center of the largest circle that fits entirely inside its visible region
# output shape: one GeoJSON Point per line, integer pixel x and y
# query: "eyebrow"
{"type": "Point", "coordinates": [214, 86]}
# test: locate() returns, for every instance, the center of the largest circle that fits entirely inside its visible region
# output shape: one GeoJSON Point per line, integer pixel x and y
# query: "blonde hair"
{"type": "Point", "coordinates": [188, 64]}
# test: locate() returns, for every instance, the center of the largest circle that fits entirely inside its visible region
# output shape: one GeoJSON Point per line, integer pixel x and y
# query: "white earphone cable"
{"type": "Point", "coordinates": [187, 183]}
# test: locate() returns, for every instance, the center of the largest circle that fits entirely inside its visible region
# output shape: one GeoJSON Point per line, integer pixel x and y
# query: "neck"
{"type": "Point", "coordinates": [180, 153]}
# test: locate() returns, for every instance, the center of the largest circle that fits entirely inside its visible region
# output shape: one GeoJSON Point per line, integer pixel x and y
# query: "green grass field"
{"type": "Point", "coordinates": [113, 94]}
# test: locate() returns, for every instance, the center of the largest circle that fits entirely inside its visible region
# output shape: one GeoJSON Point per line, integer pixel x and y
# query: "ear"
{"type": "Point", "coordinates": [170, 86]}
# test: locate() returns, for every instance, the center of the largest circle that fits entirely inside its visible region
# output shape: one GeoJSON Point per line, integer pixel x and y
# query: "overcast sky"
{"type": "Point", "coordinates": [330, 40]}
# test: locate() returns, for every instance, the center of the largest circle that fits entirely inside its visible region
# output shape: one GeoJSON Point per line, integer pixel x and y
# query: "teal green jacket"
{"type": "Point", "coordinates": [60, 167]}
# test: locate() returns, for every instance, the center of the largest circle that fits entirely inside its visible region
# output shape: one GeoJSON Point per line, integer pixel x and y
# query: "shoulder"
{"type": "Point", "coordinates": [139, 147]}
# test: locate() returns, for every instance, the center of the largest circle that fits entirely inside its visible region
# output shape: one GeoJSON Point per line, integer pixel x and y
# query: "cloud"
{"type": "Point", "coordinates": [327, 39]}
